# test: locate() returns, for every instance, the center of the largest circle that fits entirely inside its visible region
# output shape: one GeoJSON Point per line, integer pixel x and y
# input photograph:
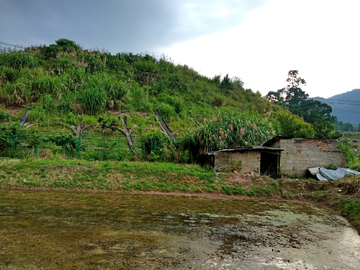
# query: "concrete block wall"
{"type": "Point", "coordinates": [299, 154]}
{"type": "Point", "coordinates": [250, 160]}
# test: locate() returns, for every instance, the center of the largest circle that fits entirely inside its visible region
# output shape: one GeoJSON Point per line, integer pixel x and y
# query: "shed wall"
{"type": "Point", "coordinates": [300, 154]}
{"type": "Point", "coordinates": [250, 160]}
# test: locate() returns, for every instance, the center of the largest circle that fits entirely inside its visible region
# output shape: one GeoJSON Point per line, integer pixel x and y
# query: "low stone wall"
{"type": "Point", "coordinates": [299, 154]}
{"type": "Point", "coordinates": [250, 160]}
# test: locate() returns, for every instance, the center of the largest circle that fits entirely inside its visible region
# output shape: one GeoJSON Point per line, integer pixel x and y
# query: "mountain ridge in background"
{"type": "Point", "coordinates": [345, 106]}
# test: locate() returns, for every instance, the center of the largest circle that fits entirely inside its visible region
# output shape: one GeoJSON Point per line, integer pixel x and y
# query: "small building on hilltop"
{"type": "Point", "coordinates": [302, 153]}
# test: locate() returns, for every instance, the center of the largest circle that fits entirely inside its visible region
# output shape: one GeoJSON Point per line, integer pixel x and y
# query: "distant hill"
{"type": "Point", "coordinates": [346, 106]}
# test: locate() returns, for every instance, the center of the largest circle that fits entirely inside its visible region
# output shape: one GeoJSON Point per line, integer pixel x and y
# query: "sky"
{"type": "Point", "coordinates": [258, 41]}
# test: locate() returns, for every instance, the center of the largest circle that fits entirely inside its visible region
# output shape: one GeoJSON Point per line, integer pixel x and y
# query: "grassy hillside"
{"type": "Point", "coordinates": [72, 91]}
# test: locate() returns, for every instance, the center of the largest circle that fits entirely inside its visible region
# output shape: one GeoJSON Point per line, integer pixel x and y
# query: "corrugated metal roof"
{"type": "Point", "coordinates": [246, 148]}
{"type": "Point", "coordinates": [337, 174]}
{"type": "Point", "coordinates": [273, 140]}
{"type": "Point", "coordinates": [331, 175]}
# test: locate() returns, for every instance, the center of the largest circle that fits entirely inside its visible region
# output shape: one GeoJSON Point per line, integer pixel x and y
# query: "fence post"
{"type": "Point", "coordinates": [78, 148]}
{"type": "Point", "coordinates": [14, 141]}
{"type": "Point", "coordinates": [99, 150]}
{"type": "Point", "coordinates": [36, 146]}
{"type": "Point", "coordinates": [119, 147]}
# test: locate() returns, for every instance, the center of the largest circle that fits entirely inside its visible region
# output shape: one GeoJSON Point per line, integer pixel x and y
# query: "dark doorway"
{"type": "Point", "coordinates": [270, 163]}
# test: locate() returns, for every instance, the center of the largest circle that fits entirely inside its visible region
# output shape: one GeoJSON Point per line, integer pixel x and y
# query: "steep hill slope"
{"type": "Point", "coordinates": [73, 91]}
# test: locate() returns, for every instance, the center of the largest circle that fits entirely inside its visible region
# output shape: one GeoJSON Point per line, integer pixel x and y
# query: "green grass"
{"type": "Point", "coordinates": [144, 176]}
{"type": "Point", "coordinates": [351, 210]}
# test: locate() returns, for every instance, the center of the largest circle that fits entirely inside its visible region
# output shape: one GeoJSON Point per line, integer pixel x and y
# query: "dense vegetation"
{"type": "Point", "coordinates": [72, 92]}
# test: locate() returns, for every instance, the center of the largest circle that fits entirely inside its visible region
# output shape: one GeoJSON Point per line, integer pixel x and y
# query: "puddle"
{"type": "Point", "coordinates": [69, 230]}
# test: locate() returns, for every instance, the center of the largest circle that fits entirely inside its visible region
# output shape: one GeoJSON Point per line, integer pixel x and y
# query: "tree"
{"type": "Point", "coordinates": [292, 94]}
{"type": "Point", "coordinates": [318, 114]}
{"type": "Point", "coordinates": [276, 97]}
{"type": "Point", "coordinates": [314, 112]}
{"type": "Point", "coordinates": [291, 125]}
{"type": "Point", "coordinates": [226, 83]}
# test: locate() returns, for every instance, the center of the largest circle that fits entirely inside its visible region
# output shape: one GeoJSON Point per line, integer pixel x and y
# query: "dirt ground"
{"type": "Point", "coordinates": [102, 230]}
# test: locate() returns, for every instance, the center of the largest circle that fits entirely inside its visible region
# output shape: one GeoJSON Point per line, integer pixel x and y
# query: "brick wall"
{"type": "Point", "coordinates": [299, 154]}
{"type": "Point", "coordinates": [250, 160]}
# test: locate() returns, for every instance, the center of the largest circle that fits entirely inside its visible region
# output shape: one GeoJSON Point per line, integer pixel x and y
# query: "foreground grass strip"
{"type": "Point", "coordinates": [108, 175]}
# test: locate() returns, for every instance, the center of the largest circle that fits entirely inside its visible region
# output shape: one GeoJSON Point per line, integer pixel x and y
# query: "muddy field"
{"type": "Point", "coordinates": [72, 230]}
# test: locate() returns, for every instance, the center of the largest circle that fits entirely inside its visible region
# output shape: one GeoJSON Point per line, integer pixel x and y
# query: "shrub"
{"type": "Point", "coordinates": [8, 74]}
{"type": "Point", "coordinates": [292, 125]}
{"type": "Point", "coordinates": [47, 103]}
{"type": "Point", "coordinates": [4, 116]}
{"type": "Point", "coordinates": [93, 100]}
{"type": "Point", "coordinates": [18, 60]}
{"type": "Point", "coordinates": [152, 143]}
{"type": "Point", "coordinates": [230, 130]}
{"type": "Point", "coordinates": [65, 104]}
{"type": "Point", "coordinates": [166, 111]}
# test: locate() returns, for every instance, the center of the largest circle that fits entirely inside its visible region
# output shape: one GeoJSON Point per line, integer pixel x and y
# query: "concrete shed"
{"type": "Point", "coordinates": [302, 153]}
{"type": "Point", "coordinates": [259, 159]}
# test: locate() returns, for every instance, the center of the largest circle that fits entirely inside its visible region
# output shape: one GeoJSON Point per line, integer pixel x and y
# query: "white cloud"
{"type": "Point", "coordinates": [318, 38]}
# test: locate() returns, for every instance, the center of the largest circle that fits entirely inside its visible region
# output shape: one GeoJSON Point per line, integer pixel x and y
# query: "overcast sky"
{"type": "Point", "coordinates": [258, 41]}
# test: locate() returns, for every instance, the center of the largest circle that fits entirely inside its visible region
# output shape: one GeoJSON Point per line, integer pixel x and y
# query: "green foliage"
{"type": "Point", "coordinates": [166, 111]}
{"type": "Point", "coordinates": [233, 190]}
{"type": "Point", "coordinates": [67, 44]}
{"type": "Point", "coordinates": [48, 103]}
{"type": "Point", "coordinates": [153, 143]}
{"type": "Point", "coordinates": [93, 100]}
{"type": "Point", "coordinates": [350, 127]}
{"type": "Point", "coordinates": [109, 121]}
{"type": "Point", "coordinates": [17, 93]}
{"type": "Point", "coordinates": [8, 74]}
{"type": "Point", "coordinates": [4, 116]}
{"type": "Point", "coordinates": [66, 142]}
{"type": "Point", "coordinates": [125, 154]}
{"type": "Point", "coordinates": [18, 60]}
{"type": "Point", "coordinates": [292, 125]}
{"type": "Point", "coordinates": [39, 114]}
{"type": "Point", "coordinates": [71, 119]}
{"type": "Point", "coordinates": [184, 156]}
{"type": "Point", "coordinates": [65, 104]}
{"type": "Point", "coordinates": [89, 120]}
{"type": "Point", "coordinates": [351, 209]}
{"type": "Point", "coordinates": [234, 129]}
{"type": "Point", "coordinates": [140, 99]}
{"type": "Point", "coordinates": [62, 80]}
{"type": "Point", "coordinates": [318, 114]}
{"type": "Point", "coordinates": [10, 135]}
{"type": "Point", "coordinates": [313, 111]}
{"type": "Point", "coordinates": [352, 157]}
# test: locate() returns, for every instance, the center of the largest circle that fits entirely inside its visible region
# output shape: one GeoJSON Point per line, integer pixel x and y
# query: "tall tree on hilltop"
{"type": "Point", "coordinates": [292, 94]}
{"type": "Point", "coordinates": [314, 112]}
